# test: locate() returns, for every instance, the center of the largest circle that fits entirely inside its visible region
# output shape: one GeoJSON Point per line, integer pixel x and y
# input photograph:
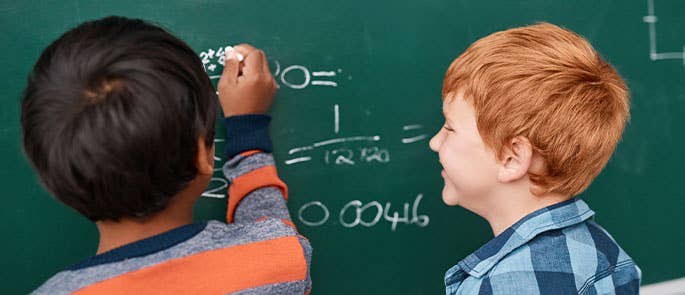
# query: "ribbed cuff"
{"type": "Point", "coordinates": [247, 132]}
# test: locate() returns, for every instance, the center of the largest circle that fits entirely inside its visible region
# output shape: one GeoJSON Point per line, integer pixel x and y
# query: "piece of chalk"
{"type": "Point", "coordinates": [237, 54]}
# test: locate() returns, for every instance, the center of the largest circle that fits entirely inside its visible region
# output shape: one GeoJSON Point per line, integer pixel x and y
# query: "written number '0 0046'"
{"type": "Point", "coordinates": [352, 214]}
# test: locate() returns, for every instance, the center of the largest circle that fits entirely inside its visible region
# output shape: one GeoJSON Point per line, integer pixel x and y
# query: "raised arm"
{"type": "Point", "coordinates": [246, 90]}
{"type": "Point", "coordinates": [256, 192]}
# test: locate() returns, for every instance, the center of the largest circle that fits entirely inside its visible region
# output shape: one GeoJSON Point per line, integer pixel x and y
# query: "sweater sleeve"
{"type": "Point", "coordinates": [255, 190]}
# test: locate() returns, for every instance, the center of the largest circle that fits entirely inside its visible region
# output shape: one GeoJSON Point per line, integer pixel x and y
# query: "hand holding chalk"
{"type": "Point", "coordinates": [230, 49]}
{"type": "Point", "coordinates": [246, 85]}
{"type": "Point", "coordinates": [231, 53]}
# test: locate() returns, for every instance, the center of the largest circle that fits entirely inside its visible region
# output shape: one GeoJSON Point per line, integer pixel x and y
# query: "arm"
{"type": "Point", "coordinates": [246, 91]}
{"type": "Point", "coordinates": [256, 191]}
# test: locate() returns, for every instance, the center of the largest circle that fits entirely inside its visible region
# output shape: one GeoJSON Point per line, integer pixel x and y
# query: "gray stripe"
{"type": "Point", "coordinates": [262, 202]}
{"type": "Point", "coordinates": [216, 235]}
{"type": "Point", "coordinates": [240, 165]}
{"type": "Point", "coordinates": [296, 287]}
{"type": "Point", "coordinates": [308, 256]}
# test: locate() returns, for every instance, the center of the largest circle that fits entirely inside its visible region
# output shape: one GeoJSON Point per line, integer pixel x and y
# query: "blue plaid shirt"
{"type": "Point", "coordinates": [555, 250]}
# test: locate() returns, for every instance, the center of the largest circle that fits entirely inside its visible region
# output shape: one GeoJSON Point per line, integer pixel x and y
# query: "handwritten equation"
{"type": "Point", "coordinates": [335, 150]}
{"type": "Point", "coordinates": [292, 76]}
{"type": "Point", "coordinates": [368, 149]}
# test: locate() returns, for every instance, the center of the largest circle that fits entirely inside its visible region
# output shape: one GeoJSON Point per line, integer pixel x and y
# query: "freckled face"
{"type": "Point", "coordinates": [469, 167]}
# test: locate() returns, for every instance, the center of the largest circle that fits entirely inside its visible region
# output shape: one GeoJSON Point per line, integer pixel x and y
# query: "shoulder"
{"type": "Point", "coordinates": [573, 259]}
{"type": "Point", "coordinates": [266, 239]}
{"type": "Point", "coordinates": [262, 230]}
{"type": "Point", "coordinates": [604, 265]}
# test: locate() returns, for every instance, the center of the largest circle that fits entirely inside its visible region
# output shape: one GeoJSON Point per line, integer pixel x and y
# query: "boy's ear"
{"type": "Point", "coordinates": [204, 160]}
{"type": "Point", "coordinates": [516, 160]}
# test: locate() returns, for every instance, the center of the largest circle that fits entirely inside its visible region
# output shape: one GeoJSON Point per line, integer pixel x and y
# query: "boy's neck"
{"type": "Point", "coordinates": [506, 211]}
{"type": "Point", "coordinates": [128, 230]}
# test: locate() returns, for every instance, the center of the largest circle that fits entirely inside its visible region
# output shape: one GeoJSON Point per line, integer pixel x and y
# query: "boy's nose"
{"type": "Point", "coordinates": [436, 141]}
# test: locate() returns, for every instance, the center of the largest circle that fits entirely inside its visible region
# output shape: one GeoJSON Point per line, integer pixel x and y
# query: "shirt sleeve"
{"type": "Point", "coordinates": [247, 132]}
{"type": "Point", "coordinates": [622, 279]}
{"type": "Point", "coordinates": [255, 192]}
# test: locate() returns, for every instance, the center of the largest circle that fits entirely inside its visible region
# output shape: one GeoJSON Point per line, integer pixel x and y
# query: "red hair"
{"type": "Point", "coordinates": [549, 85]}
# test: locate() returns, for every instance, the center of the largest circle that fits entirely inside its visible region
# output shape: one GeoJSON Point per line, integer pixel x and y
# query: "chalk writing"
{"type": "Point", "coordinates": [344, 156]}
{"type": "Point", "coordinates": [292, 76]}
{"type": "Point", "coordinates": [216, 191]}
{"type": "Point", "coordinates": [415, 138]}
{"type": "Point", "coordinates": [356, 213]}
{"type": "Point", "coordinates": [651, 19]}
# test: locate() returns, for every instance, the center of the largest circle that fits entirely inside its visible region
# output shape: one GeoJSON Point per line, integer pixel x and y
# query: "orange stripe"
{"type": "Point", "coordinates": [250, 153]}
{"type": "Point", "coordinates": [248, 182]}
{"type": "Point", "coordinates": [214, 272]}
{"type": "Point", "coordinates": [289, 223]}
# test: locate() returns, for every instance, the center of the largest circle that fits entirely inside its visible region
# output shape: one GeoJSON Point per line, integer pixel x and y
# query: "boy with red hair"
{"type": "Point", "coordinates": [532, 115]}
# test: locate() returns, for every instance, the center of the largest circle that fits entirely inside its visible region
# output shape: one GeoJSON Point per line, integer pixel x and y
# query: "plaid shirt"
{"type": "Point", "coordinates": [555, 250]}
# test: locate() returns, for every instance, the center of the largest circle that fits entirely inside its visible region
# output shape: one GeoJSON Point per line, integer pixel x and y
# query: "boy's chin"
{"type": "Point", "coordinates": [449, 196]}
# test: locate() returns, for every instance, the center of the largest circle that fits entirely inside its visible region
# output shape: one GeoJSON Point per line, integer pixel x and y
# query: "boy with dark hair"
{"type": "Point", "coordinates": [532, 115]}
{"type": "Point", "coordinates": [118, 120]}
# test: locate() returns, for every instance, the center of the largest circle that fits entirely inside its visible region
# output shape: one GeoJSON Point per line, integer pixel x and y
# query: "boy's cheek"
{"type": "Point", "coordinates": [447, 157]}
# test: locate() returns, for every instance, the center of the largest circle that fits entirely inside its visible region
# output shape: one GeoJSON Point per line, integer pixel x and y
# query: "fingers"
{"type": "Point", "coordinates": [247, 86]}
{"type": "Point", "coordinates": [265, 65]}
{"type": "Point", "coordinates": [231, 68]}
{"type": "Point", "coordinates": [255, 59]}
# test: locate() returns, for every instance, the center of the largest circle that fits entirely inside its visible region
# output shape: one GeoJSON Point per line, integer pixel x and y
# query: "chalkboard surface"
{"type": "Point", "coordinates": [359, 98]}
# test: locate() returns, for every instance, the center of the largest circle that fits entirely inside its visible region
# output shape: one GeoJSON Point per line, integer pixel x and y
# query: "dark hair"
{"type": "Point", "coordinates": [112, 114]}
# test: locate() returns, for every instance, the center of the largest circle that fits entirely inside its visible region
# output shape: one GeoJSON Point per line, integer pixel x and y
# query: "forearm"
{"type": "Point", "coordinates": [256, 191]}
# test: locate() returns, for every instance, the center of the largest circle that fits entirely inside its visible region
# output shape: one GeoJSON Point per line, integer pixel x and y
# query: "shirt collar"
{"type": "Point", "coordinates": [556, 216]}
{"type": "Point", "coordinates": [143, 247]}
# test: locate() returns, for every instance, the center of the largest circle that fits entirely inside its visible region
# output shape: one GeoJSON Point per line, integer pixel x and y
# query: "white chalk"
{"type": "Point", "coordinates": [240, 56]}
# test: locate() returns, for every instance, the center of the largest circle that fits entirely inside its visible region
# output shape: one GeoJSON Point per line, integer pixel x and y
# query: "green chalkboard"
{"type": "Point", "coordinates": [359, 98]}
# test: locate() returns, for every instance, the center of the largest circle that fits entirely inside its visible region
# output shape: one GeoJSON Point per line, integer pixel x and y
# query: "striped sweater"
{"type": "Point", "coordinates": [256, 251]}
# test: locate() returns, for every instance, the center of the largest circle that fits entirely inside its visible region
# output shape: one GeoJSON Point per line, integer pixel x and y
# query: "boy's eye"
{"type": "Point", "coordinates": [448, 128]}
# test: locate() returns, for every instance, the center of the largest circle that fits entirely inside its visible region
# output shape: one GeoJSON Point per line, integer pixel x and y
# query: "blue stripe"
{"type": "Point", "coordinates": [592, 291]}
{"type": "Point", "coordinates": [607, 249]}
{"type": "Point", "coordinates": [632, 287]}
{"type": "Point", "coordinates": [485, 287]}
{"type": "Point", "coordinates": [143, 247]}
{"type": "Point", "coordinates": [495, 245]}
{"type": "Point", "coordinates": [552, 263]}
